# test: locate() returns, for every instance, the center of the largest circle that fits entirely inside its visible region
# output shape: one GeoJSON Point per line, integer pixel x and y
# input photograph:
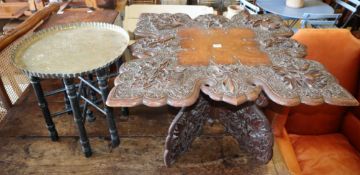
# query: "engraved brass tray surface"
{"type": "Point", "coordinates": [70, 50]}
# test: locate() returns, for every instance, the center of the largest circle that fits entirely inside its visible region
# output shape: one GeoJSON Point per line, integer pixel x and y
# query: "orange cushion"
{"type": "Point", "coordinates": [339, 52]}
{"type": "Point", "coordinates": [337, 49]}
{"type": "Point", "coordinates": [351, 129]}
{"type": "Point", "coordinates": [287, 152]}
{"type": "Point", "coordinates": [326, 154]}
{"type": "Point", "coordinates": [307, 120]}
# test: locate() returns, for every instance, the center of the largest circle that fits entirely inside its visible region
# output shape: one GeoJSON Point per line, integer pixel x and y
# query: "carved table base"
{"type": "Point", "coordinates": [246, 123]}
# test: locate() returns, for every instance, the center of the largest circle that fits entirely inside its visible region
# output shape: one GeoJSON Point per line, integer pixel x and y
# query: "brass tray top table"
{"type": "Point", "coordinates": [72, 51]}
{"type": "Point", "coordinates": [215, 67]}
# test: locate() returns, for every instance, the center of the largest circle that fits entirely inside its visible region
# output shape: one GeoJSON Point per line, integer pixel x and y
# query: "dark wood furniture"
{"type": "Point", "coordinates": [213, 67]}
{"type": "Point", "coordinates": [76, 92]}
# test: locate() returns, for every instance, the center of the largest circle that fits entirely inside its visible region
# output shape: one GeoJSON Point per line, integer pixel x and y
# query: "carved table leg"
{"type": "Point", "coordinates": [103, 86]}
{"type": "Point", "coordinates": [74, 102]}
{"type": "Point", "coordinates": [250, 127]}
{"type": "Point", "coordinates": [185, 127]}
{"type": "Point", "coordinates": [35, 82]}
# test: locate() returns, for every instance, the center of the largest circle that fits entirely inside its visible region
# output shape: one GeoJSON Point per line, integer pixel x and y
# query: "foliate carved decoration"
{"type": "Point", "coordinates": [155, 25]}
{"type": "Point", "coordinates": [246, 123]}
{"type": "Point", "coordinates": [250, 127]}
{"type": "Point", "coordinates": [185, 127]}
{"type": "Point", "coordinates": [158, 79]}
{"type": "Point", "coordinates": [302, 76]}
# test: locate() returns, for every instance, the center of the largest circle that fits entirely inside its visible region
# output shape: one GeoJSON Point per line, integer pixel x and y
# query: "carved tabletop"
{"type": "Point", "coordinates": [232, 61]}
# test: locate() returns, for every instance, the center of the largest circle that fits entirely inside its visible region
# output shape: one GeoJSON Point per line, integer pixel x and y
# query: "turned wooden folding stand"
{"type": "Point", "coordinates": [237, 65]}
{"type": "Point", "coordinates": [75, 108]}
{"type": "Point", "coordinates": [63, 52]}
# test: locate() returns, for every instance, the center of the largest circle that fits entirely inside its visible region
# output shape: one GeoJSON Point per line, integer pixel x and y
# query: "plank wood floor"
{"type": "Point", "coordinates": [26, 149]}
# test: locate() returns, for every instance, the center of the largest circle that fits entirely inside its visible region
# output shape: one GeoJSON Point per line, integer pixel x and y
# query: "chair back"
{"type": "Point", "coordinates": [133, 12]}
{"type": "Point", "coordinates": [251, 8]}
{"type": "Point", "coordinates": [12, 81]}
{"type": "Point", "coordinates": [339, 51]}
{"type": "Point", "coordinates": [351, 8]}
{"type": "Point", "coordinates": [319, 20]}
{"type": "Point", "coordinates": [350, 5]}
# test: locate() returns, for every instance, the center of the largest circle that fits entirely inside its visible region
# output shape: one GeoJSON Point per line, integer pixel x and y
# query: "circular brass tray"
{"type": "Point", "coordinates": [67, 51]}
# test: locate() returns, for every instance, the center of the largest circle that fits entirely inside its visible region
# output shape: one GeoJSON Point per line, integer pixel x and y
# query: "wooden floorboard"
{"type": "Point", "coordinates": [26, 149]}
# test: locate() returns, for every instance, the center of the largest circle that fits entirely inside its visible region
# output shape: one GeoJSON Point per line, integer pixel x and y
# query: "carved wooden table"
{"type": "Point", "coordinates": [237, 64]}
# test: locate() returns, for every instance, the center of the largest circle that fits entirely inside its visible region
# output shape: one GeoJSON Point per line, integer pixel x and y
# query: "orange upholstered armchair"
{"type": "Point", "coordinates": [324, 139]}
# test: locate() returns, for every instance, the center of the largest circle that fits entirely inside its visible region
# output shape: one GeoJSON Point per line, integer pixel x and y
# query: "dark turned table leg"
{"type": "Point", "coordinates": [90, 117]}
{"type": "Point", "coordinates": [125, 112]}
{"type": "Point", "coordinates": [74, 102]}
{"type": "Point", "coordinates": [86, 113]}
{"type": "Point", "coordinates": [103, 86]}
{"type": "Point", "coordinates": [35, 82]}
{"type": "Point", "coordinates": [66, 99]}
{"type": "Point", "coordinates": [246, 123]}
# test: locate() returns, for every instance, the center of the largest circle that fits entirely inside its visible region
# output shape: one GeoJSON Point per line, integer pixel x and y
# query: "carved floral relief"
{"type": "Point", "coordinates": [157, 77]}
